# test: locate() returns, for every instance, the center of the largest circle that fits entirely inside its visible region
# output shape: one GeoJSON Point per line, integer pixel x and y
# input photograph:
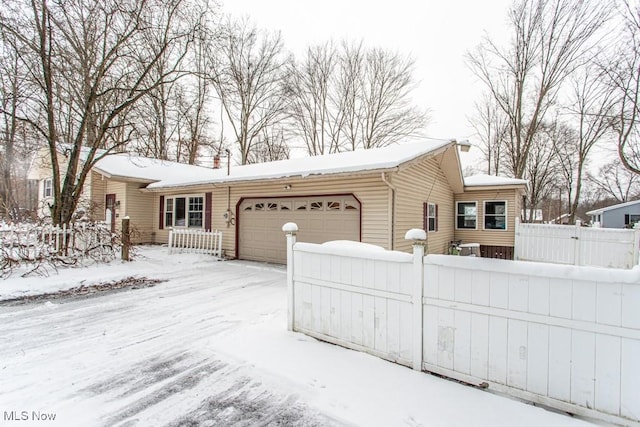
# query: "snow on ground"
{"type": "Point", "coordinates": [209, 347]}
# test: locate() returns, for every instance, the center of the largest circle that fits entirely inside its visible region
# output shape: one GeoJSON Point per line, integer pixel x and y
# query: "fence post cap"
{"type": "Point", "coordinates": [416, 234]}
{"type": "Point", "coordinates": [290, 228]}
{"type": "Point", "coordinates": [126, 217]}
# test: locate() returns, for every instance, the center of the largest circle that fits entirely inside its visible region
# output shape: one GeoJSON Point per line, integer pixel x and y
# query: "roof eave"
{"type": "Point", "coordinates": [226, 183]}
{"type": "Point", "coordinates": [494, 187]}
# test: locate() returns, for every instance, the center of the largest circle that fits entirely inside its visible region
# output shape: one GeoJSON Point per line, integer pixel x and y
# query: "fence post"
{"type": "Point", "coordinates": [419, 238]}
{"type": "Point", "coordinates": [290, 228]}
{"type": "Point", "coordinates": [126, 239]}
{"type": "Point", "coordinates": [577, 244]}
{"type": "Point", "coordinates": [516, 238]}
{"type": "Point", "coordinates": [636, 243]}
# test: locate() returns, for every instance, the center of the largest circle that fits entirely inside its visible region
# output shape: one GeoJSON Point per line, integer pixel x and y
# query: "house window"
{"type": "Point", "coordinates": [431, 217]}
{"type": "Point", "coordinates": [184, 211]}
{"type": "Point", "coordinates": [47, 188]}
{"type": "Point", "coordinates": [466, 215]}
{"type": "Point", "coordinates": [495, 215]}
{"type": "Point", "coordinates": [631, 219]}
{"type": "Point", "coordinates": [168, 212]}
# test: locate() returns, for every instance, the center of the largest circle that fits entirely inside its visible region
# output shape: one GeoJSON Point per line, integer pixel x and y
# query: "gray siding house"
{"type": "Point", "coordinates": [623, 215]}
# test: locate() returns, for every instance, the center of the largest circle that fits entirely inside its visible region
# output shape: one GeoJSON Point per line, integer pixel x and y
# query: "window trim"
{"type": "Point", "coordinates": [187, 211]}
{"type": "Point", "coordinates": [427, 217]}
{"type": "Point", "coordinates": [628, 222]}
{"type": "Point", "coordinates": [506, 215]}
{"type": "Point", "coordinates": [50, 187]}
{"type": "Point", "coordinates": [475, 202]}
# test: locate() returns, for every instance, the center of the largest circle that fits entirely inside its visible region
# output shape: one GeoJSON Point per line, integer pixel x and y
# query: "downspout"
{"type": "Point", "coordinates": [391, 210]}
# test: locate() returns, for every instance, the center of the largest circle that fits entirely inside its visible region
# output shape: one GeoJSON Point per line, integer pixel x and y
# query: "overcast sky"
{"type": "Point", "coordinates": [437, 34]}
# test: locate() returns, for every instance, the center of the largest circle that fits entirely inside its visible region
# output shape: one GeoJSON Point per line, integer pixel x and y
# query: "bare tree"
{"type": "Point", "coordinates": [492, 128]}
{"type": "Point", "coordinates": [315, 107]}
{"type": "Point", "coordinates": [623, 71]}
{"type": "Point", "coordinates": [90, 63]}
{"type": "Point", "coordinates": [550, 39]}
{"type": "Point", "coordinates": [590, 108]}
{"type": "Point", "coordinates": [247, 74]}
{"type": "Point", "coordinates": [271, 146]}
{"type": "Point", "coordinates": [383, 108]}
{"type": "Point", "coordinates": [615, 181]}
{"type": "Point", "coordinates": [350, 97]}
{"type": "Point", "coordinates": [542, 169]}
{"type": "Point", "coordinates": [11, 88]}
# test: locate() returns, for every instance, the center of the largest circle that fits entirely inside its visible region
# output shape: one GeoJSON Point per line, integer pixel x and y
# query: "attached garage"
{"type": "Point", "coordinates": [320, 219]}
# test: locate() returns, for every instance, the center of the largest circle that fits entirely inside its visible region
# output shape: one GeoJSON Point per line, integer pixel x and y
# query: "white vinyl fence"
{"type": "Point", "coordinates": [195, 241]}
{"type": "Point", "coordinates": [563, 336]}
{"type": "Point", "coordinates": [576, 245]}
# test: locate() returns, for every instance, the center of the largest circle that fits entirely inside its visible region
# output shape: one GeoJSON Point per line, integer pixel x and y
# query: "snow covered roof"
{"type": "Point", "coordinates": [483, 180]}
{"type": "Point", "coordinates": [609, 208]}
{"type": "Point", "coordinates": [147, 170]}
{"type": "Point", "coordinates": [352, 161]}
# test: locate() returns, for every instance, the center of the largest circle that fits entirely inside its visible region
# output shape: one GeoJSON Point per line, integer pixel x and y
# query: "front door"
{"type": "Point", "coordinates": [110, 212]}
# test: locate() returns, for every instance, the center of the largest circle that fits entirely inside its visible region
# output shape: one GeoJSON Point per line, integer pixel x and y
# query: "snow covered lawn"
{"type": "Point", "coordinates": [208, 347]}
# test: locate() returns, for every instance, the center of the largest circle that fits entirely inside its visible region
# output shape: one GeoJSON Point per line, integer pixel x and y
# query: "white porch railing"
{"type": "Point", "coordinates": [576, 245]}
{"type": "Point", "coordinates": [195, 241]}
{"type": "Point", "coordinates": [72, 240]}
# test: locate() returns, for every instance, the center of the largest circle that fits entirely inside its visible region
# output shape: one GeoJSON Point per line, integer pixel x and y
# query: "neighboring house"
{"type": "Point", "coordinates": [373, 196]}
{"type": "Point", "coordinates": [623, 215]}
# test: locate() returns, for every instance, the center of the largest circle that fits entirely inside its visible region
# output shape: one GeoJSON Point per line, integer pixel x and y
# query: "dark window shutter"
{"type": "Point", "coordinates": [436, 218]}
{"type": "Point", "coordinates": [425, 216]}
{"type": "Point", "coordinates": [207, 211]}
{"type": "Point", "coordinates": [626, 219]}
{"type": "Point", "coordinates": [161, 219]}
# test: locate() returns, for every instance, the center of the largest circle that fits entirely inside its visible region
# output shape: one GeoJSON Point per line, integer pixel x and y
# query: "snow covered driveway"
{"type": "Point", "coordinates": [208, 347]}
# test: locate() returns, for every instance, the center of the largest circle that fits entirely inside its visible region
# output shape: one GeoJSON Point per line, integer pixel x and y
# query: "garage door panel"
{"type": "Point", "coordinates": [319, 218]}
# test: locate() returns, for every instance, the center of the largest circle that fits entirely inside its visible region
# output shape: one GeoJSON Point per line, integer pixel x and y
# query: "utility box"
{"type": "Point", "coordinates": [470, 249]}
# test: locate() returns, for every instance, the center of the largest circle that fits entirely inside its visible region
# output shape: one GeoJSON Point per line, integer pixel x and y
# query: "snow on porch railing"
{"type": "Point", "coordinates": [195, 241]}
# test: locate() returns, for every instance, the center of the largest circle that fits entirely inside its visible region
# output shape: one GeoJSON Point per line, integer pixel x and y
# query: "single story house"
{"type": "Point", "coordinates": [622, 215]}
{"type": "Point", "coordinates": [373, 196]}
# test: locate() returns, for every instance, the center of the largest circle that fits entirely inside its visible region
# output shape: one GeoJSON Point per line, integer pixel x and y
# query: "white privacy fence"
{"type": "Point", "coordinates": [195, 241]}
{"type": "Point", "coordinates": [358, 300]}
{"type": "Point", "coordinates": [576, 245]}
{"type": "Point", "coordinates": [564, 336]}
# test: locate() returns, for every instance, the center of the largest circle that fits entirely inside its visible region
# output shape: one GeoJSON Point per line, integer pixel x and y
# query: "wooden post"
{"type": "Point", "coordinates": [290, 228]}
{"type": "Point", "coordinates": [126, 239]}
{"type": "Point", "coordinates": [419, 238]}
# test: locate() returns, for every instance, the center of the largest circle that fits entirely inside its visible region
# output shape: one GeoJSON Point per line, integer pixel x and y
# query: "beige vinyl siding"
{"type": "Point", "coordinates": [420, 183]}
{"type": "Point", "coordinates": [120, 190]}
{"type": "Point", "coordinates": [98, 191]}
{"type": "Point", "coordinates": [369, 189]}
{"type": "Point", "coordinates": [139, 208]}
{"type": "Point", "coordinates": [490, 237]}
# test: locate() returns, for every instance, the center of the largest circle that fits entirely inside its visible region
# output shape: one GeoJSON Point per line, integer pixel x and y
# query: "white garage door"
{"type": "Point", "coordinates": [320, 219]}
